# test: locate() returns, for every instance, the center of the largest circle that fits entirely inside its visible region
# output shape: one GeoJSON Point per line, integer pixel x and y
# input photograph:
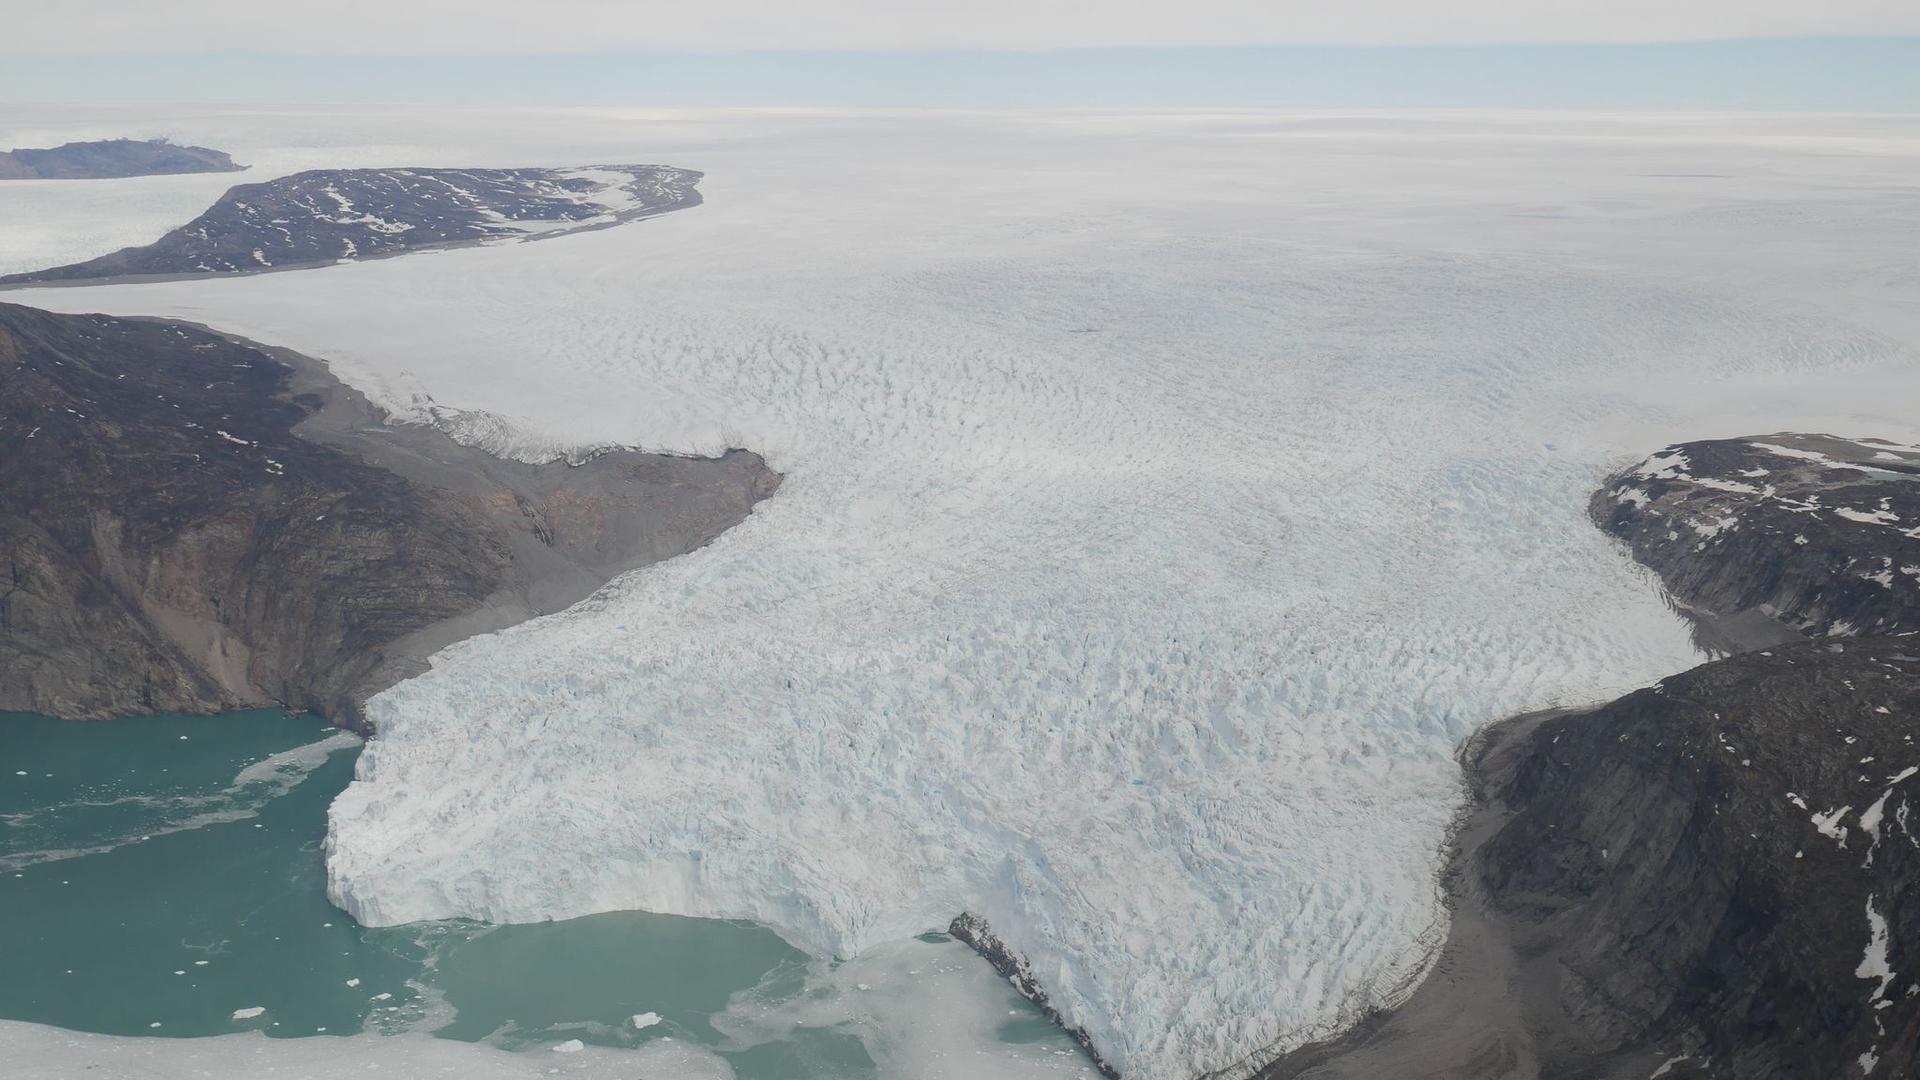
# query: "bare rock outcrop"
{"type": "Point", "coordinates": [341, 215]}
{"type": "Point", "coordinates": [192, 523]}
{"type": "Point", "coordinates": [112, 158]}
{"type": "Point", "coordinates": [1718, 876]}
{"type": "Point", "coordinates": [1811, 534]}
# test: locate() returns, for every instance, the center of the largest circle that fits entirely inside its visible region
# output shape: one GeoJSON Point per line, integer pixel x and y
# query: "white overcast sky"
{"type": "Point", "coordinates": [515, 26]}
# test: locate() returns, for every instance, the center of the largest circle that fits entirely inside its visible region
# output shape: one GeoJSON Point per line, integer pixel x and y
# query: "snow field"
{"type": "Point", "coordinates": [1166, 497]}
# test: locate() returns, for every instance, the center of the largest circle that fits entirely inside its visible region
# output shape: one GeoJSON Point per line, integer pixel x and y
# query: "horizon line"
{"type": "Point", "coordinates": [1800, 74]}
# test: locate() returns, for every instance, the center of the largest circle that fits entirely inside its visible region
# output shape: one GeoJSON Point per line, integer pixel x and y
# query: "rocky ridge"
{"type": "Point", "coordinates": [1718, 876]}
{"type": "Point", "coordinates": [1781, 535]}
{"type": "Point", "coordinates": [333, 215]}
{"type": "Point", "coordinates": [193, 523]}
{"type": "Point", "coordinates": [112, 159]}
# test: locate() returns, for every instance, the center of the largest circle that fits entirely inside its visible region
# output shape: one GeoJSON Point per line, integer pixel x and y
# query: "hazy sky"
{"type": "Point", "coordinates": [1792, 55]}
{"type": "Point", "coordinates": [430, 26]}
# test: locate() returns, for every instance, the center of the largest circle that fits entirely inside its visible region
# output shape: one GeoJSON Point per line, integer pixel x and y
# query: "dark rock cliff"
{"type": "Point", "coordinates": [1718, 876]}
{"type": "Point", "coordinates": [109, 158]}
{"type": "Point", "coordinates": [1726, 868]}
{"type": "Point", "coordinates": [191, 523]}
{"type": "Point", "coordinates": [974, 932]}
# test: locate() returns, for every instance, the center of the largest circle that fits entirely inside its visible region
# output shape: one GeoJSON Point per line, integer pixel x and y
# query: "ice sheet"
{"type": "Point", "coordinates": [1166, 497]}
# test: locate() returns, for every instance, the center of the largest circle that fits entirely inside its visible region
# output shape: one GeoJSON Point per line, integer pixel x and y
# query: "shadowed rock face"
{"type": "Point", "coordinates": [1718, 876]}
{"type": "Point", "coordinates": [1725, 867]}
{"type": "Point", "coordinates": [975, 933]}
{"type": "Point", "coordinates": [333, 215]}
{"type": "Point", "coordinates": [191, 523]}
{"type": "Point", "coordinates": [1810, 533]}
{"type": "Point", "coordinates": [112, 158]}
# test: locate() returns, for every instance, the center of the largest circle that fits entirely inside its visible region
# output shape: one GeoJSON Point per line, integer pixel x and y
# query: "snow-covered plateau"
{"type": "Point", "coordinates": [1167, 496]}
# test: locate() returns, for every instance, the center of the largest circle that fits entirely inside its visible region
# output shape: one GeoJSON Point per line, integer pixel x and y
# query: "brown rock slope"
{"type": "Point", "coordinates": [191, 523]}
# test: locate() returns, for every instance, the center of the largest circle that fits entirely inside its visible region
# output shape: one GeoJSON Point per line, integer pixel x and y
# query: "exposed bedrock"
{"type": "Point", "coordinates": [1776, 536]}
{"type": "Point", "coordinates": [1724, 867]}
{"type": "Point", "coordinates": [111, 158]}
{"type": "Point", "coordinates": [1718, 876]}
{"type": "Point", "coordinates": [1016, 969]}
{"type": "Point", "coordinates": [341, 215]}
{"type": "Point", "coordinates": [193, 523]}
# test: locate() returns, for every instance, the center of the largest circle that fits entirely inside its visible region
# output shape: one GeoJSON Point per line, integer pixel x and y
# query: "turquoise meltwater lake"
{"type": "Point", "coordinates": [163, 876]}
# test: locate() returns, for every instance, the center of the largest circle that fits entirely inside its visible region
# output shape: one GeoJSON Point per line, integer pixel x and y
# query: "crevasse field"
{"type": "Point", "coordinates": [1167, 496]}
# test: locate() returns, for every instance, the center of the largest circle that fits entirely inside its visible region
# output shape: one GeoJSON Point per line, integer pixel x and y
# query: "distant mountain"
{"type": "Point", "coordinates": [111, 158]}
{"type": "Point", "coordinates": [335, 215]}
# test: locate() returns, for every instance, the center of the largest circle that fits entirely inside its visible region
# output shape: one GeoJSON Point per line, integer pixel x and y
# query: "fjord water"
{"type": "Point", "coordinates": [150, 886]}
{"type": "Point", "coordinates": [160, 874]}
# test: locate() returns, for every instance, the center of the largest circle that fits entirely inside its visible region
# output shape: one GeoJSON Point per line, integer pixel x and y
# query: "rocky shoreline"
{"type": "Point", "coordinates": [973, 931]}
{"type": "Point", "coordinates": [1715, 876]}
{"type": "Point", "coordinates": [191, 522]}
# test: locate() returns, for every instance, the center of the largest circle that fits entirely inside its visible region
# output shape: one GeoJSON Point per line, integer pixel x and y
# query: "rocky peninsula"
{"type": "Point", "coordinates": [190, 522]}
{"type": "Point", "coordinates": [112, 159]}
{"type": "Point", "coordinates": [326, 216]}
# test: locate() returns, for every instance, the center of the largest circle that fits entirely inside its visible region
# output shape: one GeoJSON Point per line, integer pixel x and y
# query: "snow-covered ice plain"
{"type": "Point", "coordinates": [1167, 496]}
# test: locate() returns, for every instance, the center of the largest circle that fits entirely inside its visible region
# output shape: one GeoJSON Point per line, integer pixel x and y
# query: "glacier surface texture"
{"type": "Point", "coordinates": [1167, 496]}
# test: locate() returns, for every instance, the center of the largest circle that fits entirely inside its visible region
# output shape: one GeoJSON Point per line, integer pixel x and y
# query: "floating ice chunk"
{"type": "Point", "coordinates": [30, 1050]}
{"type": "Point", "coordinates": [642, 1021]}
{"type": "Point", "coordinates": [250, 1012]}
{"type": "Point", "coordinates": [571, 1046]}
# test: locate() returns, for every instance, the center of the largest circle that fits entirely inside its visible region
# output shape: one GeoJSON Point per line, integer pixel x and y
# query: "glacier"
{"type": "Point", "coordinates": [1167, 496]}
